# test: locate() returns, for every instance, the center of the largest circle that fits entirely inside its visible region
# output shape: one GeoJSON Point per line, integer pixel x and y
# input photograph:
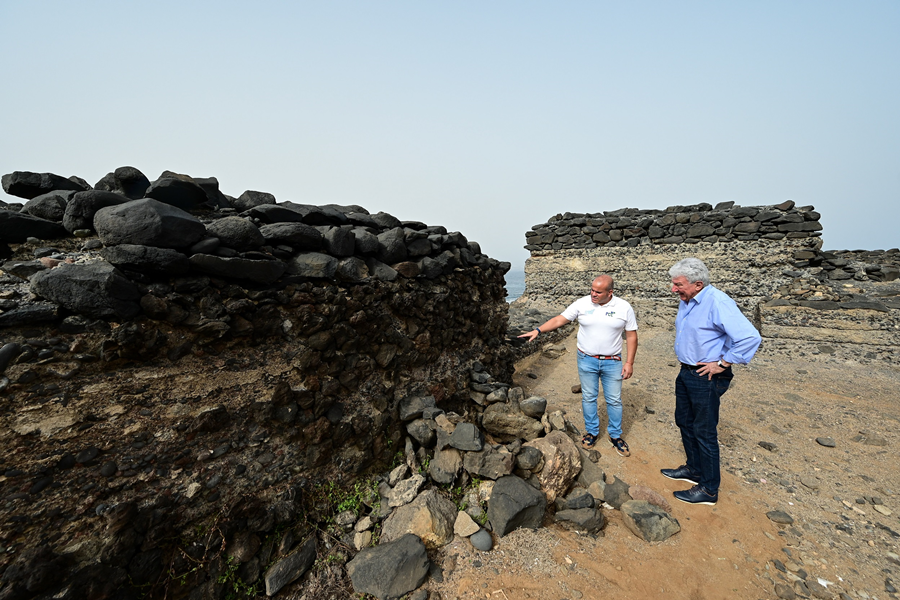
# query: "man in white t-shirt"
{"type": "Point", "coordinates": [602, 317]}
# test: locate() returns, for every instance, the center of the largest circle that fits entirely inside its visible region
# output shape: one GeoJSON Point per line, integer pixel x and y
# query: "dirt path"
{"type": "Point", "coordinates": [726, 551]}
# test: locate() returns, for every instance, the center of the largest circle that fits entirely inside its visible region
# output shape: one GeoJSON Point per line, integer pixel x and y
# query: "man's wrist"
{"type": "Point", "coordinates": [538, 329]}
{"type": "Point", "coordinates": [723, 363]}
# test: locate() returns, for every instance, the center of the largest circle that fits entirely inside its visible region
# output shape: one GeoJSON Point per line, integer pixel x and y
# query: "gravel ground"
{"type": "Point", "coordinates": [843, 500]}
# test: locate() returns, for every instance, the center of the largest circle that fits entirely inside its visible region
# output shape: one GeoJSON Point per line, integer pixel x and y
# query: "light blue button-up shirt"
{"type": "Point", "coordinates": [710, 327]}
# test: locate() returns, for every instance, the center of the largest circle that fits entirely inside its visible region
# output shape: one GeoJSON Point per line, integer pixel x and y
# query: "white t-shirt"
{"type": "Point", "coordinates": [600, 326]}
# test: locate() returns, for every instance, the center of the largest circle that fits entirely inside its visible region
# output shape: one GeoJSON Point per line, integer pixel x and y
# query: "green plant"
{"type": "Point", "coordinates": [235, 586]}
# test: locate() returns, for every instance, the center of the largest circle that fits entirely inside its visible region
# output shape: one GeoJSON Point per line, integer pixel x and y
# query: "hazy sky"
{"type": "Point", "coordinates": [484, 117]}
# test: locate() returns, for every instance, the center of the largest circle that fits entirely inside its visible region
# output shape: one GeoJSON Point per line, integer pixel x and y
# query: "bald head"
{"type": "Point", "coordinates": [602, 283]}
{"type": "Point", "coordinates": [601, 289]}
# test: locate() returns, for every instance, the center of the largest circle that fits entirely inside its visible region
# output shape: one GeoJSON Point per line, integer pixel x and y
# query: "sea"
{"type": "Point", "coordinates": [515, 285]}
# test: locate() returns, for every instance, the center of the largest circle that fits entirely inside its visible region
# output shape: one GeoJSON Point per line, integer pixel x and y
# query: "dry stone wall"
{"type": "Point", "coordinates": [749, 251]}
{"type": "Point", "coordinates": [768, 258]}
{"type": "Point", "coordinates": [181, 370]}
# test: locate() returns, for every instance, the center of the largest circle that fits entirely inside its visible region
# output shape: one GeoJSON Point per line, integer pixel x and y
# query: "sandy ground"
{"type": "Point", "coordinates": [839, 535]}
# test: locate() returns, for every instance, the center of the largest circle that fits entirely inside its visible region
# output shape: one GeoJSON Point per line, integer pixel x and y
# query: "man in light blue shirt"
{"type": "Point", "coordinates": [711, 334]}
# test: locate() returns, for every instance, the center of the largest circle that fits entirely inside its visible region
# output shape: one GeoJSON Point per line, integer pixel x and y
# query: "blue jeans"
{"type": "Point", "coordinates": [593, 371]}
{"type": "Point", "coordinates": [697, 416]}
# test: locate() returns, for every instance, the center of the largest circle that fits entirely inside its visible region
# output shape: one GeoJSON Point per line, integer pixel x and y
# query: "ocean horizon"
{"type": "Point", "coordinates": [515, 285]}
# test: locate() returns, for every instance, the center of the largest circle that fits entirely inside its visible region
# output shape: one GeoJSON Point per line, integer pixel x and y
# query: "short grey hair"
{"type": "Point", "coordinates": [691, 269]}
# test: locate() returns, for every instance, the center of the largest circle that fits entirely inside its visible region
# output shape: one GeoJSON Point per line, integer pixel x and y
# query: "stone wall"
{"type": "Point", "coordinates": [181, 371]}
{"type": "Point", "coordinates": [768, 258]}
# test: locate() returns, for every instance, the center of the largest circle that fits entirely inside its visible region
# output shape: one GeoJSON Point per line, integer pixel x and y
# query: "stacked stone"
{"type": "Point", "coordinates": [629, 227]}
{"type": "Point", "coordinates": [859, 265]}
{"type": "Point", "coordinates": [149, 244]}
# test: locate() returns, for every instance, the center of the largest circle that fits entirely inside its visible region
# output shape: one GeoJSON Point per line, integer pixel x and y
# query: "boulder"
{"type": "Point", "coordinates": [237, 233]}
{"type": "Point", "coordinates": [391, 246]}
{"type": "Point", "coordinates": [533, 407]}
{"type": "Point", "coordinates": [467, 437]}
{"type": "Point", "coordinates": [147, 259]}
{"type": "Point", "coordinates": [148, 222]}
{"type": "Point", "coordinates": [513, 504]}
{"type": "Point", "coordinates": [642, 492]}
{"type": "Point", "coordinates": [50, 206]}
{"type": "Point", "coordinates": [412, 407]}
{"type": "Point", "coordinates": [177, 192]}
{"type": "Point", "coordinates": [245, 269]}
{"type": "Point", "coordinates": [406, 491]}
{"type": "Point", "coordinates": [506, 423]}
{"type": "Point", "coordinates": [528, 458]}
{"type": "Point", "coordinates": [445, 465]}
{"type": "Point", "coordinates": [285, 212]}
{"type": "Point", "coordinates": [17, 227]}
{"type": "Point", "coordinates": [82, 207]}
{"type": "Point", "coordinates": [318, 215]}
{"type": "Point", "coordinates": [489, 463]}
{"type": "Point", "coordinates": [127, 181]}
{"type": "Point", "coordinates": [28, 185]}
{"type": "Point", "coordinates": [577, 498]}
{"type": "Point", "coordinates": [251, 198]}
{"type": "Point", "coordinates": [390, 570]}
{"type": "Point", "coordinates": [430, 517]}
{"type": "Point", "coordinates": [649, 522]}
{"type": "Point", "coordinates": [590, 470]}
{"type": "Point", "coordinates": [562, 463]}
{"type": "Point", "coordinates": [340, 241]}
{"type": "Point", "coordinates": [296, 235]}
{"type": "Point", "coordinates": [352, 269]}
{"type": "Point", "coordinates": [464, 526]}
{"type": "Point", "coordinates": [430, 268]}
{"type": "Point", "coordinates": [313, 264]}
{"type": "Point", "coordinates": [616, 493]}
{"type": "Point", "coordinates": [422, 431]}
{"type": "Point", "coordinates": [365, 242]}
{"type": "Point", "coordinates": [291, 567]}
{"type": "Point", "coordinates": [29, 314]}
{"type": "Point", "coordinates": [386, 221]}
{"type": "Point", "coordinates": [598, 491]}
{"type": "Point", "coordinates": [214, 196]}
{"type": "Point", "coordinates": [582, 519]}
{"type": "Point", "coordinates": [97, 290]}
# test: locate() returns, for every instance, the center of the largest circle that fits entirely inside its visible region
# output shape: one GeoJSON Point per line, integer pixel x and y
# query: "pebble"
{"type": "Point", "coordinates": [40, 485]}
{"type": "Point", "coordinates": [784, 591]}
{"type": "Point", "coordinates": [825, 441]}
{"type": "Point", "coordinates": [882, 509]}
{"type": "Point", "coordinates": [809, 481]}
{"type": "Point", "coordinates": [482, 540]}
{"type": "Point", "coordinates": [778, 516]}
{"type": "Point", "coordinates": [109, 469]}
{"type": "Point", "coordinates": [768, 446]}
{"type": "Point", "coordinates": [87, 455]}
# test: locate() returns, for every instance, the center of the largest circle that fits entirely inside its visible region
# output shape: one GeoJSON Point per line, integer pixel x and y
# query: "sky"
{"type": "Point", "coordinates": [484, 117]}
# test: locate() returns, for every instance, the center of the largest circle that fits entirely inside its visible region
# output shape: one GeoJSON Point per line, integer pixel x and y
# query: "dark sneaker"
{"type": "Point", "coordinates": [697, 495]}
{"type": "Point", "coordinates": [682, 473]}
{"type": "Point", "coordinates": [620, 446]}
{"type": "Point", "coordinates": [588, 440]}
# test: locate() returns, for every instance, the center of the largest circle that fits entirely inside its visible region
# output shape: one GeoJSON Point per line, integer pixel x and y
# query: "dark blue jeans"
{"type": "Point", "coordinates": [697, 416]}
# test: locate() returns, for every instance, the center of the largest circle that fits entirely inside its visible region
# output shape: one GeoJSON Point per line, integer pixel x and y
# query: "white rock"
{"type": "Point", "coordinates": [464, 525]}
